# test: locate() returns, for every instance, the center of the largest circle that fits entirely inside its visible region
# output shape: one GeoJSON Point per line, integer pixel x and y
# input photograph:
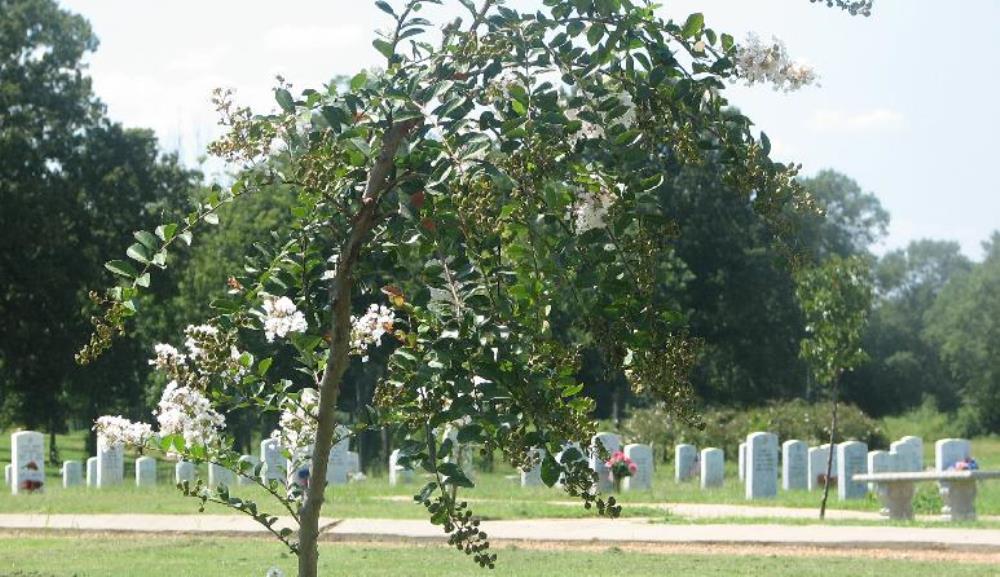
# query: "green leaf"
{"type": "Point", "coordinates": [166, 231]}
{"type": "Point", "coordinates": [212, 218]}
{"type": "Point", "coordinates": [186, 237]}
{"type": "Point", "coordinates": [384, 47]}
{"type": "Point", "coordinates": [263, 366]}
{"type": "Point", "coordinates": [595, 34]}
{"type": "Point", "coordinates": [359, 80]}
{"type": "Point", "coordinates": [143, 280]}
{"type": "Point", "coordinates": [550, 470]}
{"type": "Point", "coordinates": [284, 99]}
{"type": "Point", "coordinates": [146, 238]}
{"type": "Point", "coordinates": [693, 25]}
{"type": "Point", "coordinates": [121, 267]}
{"type": "Point", "coordinates": [139, 253]}
{"type": "Point", "coordinates": [385, 7]}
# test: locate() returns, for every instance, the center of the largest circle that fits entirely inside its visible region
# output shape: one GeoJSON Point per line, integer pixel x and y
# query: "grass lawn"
{"type": "Point", "coordinates": [115, 556]}
{"type": "Point", "coordinates": [497, 496]}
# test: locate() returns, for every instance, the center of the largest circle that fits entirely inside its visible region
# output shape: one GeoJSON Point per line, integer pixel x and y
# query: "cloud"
{"type": "Point", "coordinates": [840, 121]}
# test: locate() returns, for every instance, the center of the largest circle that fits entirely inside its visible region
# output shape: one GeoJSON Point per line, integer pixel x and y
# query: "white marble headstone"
{"type": "Point", "coordinates": [353, 463]}
{"type": "Point", "coordinates": [947, 452]}
{"type": "Point", "coordinates": [642, 479]}
{"type": "Point", "coordinates": [27, 453]}
{"type": "Point", "coordinates": [817, 466]}
{"type": "Point", "coordinates": [713, 464]}
{"type": "Point", "coordinates": [686, 463]}
{"type": "Point", "coordinates": [247, 464]}
{"type": "Point", "coordinates": [145, 472]}
{"type": "Point", "coordinates": [398, 474]}
{"type": "Point", "coordinates": [533, 476]}
{"type": "Point", "coordinates": [72, 474]}
{"type": "Point", "coordinates": [338, 467]}
{"type": "Point", "coordinates": [110, 463]}
{"type": "Point", "coordinates": [794, 465]}
{"type": "Point", "coordinates": [910, 451]}
{"type": "Point", "coordinates": [274, 461]}
{"type": "Point", "coordinates": [611, 443]}
{"type": "Point", "coordinates": [92, 472]}
{"type": "Point", "coordinates": [762, 465]}
{"type": "Point", "coordinates": [219, 475]}
{"type": "Point", "coordinates": [852, 459]}
{"type": "Point", "coordinates": [184, 471]}
{"type": "Point", "coordinates": [883, 462]}
{"type": "Point", "coordinates": [8, 471]}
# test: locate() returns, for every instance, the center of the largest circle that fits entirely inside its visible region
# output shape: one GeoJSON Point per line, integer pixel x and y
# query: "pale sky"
{"type": "Point", "coordinates": [906, 102]}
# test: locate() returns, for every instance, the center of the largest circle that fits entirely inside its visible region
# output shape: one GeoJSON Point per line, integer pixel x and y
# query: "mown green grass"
{"type": "Point", "coordinates": [498, 495]}
{"type": "Point", "coordinates": [105, 556]}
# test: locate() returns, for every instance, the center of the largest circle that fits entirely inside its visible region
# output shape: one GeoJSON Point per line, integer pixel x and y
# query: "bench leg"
{"type": "Point", "coordinates": [959, 500]}
{"type": "Point", "coordinates": [896, 499]}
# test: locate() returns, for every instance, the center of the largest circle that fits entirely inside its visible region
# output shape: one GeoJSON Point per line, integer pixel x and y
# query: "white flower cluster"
{"type": "Point", "coordinates": [368, 329]}
{"type": "Point", "coordinates": [281, 317]}
{"type": "Point", "coordinates": [299, 421]}
{"type": "Point", "coordinates": [186, 411]}
{"type": "Point", "coordinates": [197, 334]}
{"type": "Point", "coordinates": [757, 62]}
{"type": "Point", "coordinates": [591, 210]}
{"type": "Point", "coordinates": [167, 356]}
{"type": "Point", "coordinates": [118, 430]}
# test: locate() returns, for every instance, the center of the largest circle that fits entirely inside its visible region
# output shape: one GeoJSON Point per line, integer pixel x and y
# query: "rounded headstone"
{"type": "Point", "coordinates": [27, 452]}
{"type": "Point", "coordinates": [762, 465]}
{"type": "Point", "coordinates": [145, 472]}
{"type": "Point", "coordinates": [794, 465]}
{"type": "Point", "coordinates": [72, 474]}
{"type": "Point", "coordinates": [852, 459]}
{"type": "Point", "coordinates": [713, 464]}
{"type": "Point", "coordinates": [642, 479]}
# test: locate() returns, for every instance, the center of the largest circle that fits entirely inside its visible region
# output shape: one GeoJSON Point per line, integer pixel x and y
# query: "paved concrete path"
{"type": "Point", "coordinates": [553, 530]}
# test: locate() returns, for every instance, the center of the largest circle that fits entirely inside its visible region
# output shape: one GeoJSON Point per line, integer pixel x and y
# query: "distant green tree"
{"type": "Point", "coordinates": [903, 365]}
{"type": "Point", "coordinates": [851, 220]}
{"type": "Point", "coordinates": [965, 323]}
{"type": "Point", "coordinates": [72, 185]}
{"type": "Point", "coordinates": [835, 297]}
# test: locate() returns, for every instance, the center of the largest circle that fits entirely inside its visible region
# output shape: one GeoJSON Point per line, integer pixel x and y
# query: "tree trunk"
{"type": "Point", "coordinates": [337, 358]}
{"type": "Point", "coordinates": [829, 456]}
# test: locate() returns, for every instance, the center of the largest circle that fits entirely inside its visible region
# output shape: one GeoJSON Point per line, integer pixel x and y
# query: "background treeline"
{"type": "Point", "coordinates": [74, 185]}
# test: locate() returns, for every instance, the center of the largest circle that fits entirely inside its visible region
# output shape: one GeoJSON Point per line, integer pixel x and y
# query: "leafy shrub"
{"type": "Point", "coordinates": [930, 423]}
{"type": "Point", "coordinates": [726, 428]}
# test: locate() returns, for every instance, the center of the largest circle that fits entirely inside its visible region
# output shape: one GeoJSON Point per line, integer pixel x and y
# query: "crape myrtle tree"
{"type": "Point", "coordinates": [496, 180]}
{"type": "Point", "coordinates": [835, 297]}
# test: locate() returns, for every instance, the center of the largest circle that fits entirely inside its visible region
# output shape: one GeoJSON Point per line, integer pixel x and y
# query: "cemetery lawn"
{"type": "Point", "coordinates": [28, 555]}
{"type": "Point", "coordinates": [498, 495]}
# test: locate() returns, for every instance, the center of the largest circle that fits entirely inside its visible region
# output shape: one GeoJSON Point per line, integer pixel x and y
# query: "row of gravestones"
{"type": "Point", "coordinates": [26, 472]}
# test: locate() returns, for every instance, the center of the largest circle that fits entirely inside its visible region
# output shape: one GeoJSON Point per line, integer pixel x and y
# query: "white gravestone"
{"type": "Point", "coordinates": [611, 443]}
{"type": "Point", "coordinates": [533, 476]}
{"type": "Point", "coordinates": [762, 465]}
{"type": "Point", "coordinates": [338, 467]}
{"type": "Point", "coordinates": [8, 470]}
{"type": "Point", "coordinates": [72, 474]}
{"type": "Point", "coordinates": [852, 459]}
{"type": "Point", "coordinates": [299, 467]}
{"type": "Point", "coordinates": [743, 461]}
{"type": "Point", "coordinates": [817, 466]}
{"type": "Point", "coordinates": [353, 463]}
{"type": "Point", "coordinates": [92, 472]}
{"type": "Point", "coordinates": [110, 463]}
{"type": "Point", "coordinates": [883, 462]}
{"type": "Point", "coordinates": [642, 479]}
{"type": "Point", "coordinates": [794, 465]}
{"type": "Point", "coordinates": [145, 472]}
{"type": "Point", "coordinates": [27, 453]}
{"type": "Point", "coordinates": [462, 454]}
{"type": "Point", "coordinates": [685, 462]}
{"type": "Point", "coordinates": [911, 454]}
{"type": "Point", "coordinates": [246, 464]}
{"type": "Point", "coordinates": [219, 475]}
{"type": "Point", "coordinates": [712, 468]}
{"type": "Point", "coordinates": [947, 452]}
{"type": "Point", "coordinates": [274, 461]}
{"type": "Point", "coordinates": [184, 471]}
{"type": "Point", "coordinates": [398, 474]}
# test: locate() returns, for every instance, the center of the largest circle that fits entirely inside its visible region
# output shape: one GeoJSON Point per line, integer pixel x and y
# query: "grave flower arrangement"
{"type": "Point", "coordinates": [621, 466]}
{"type": "Point", "coordinates": [966, 464]}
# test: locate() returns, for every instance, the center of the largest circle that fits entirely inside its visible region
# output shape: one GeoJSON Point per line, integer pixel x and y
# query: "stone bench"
{"type": "Point", "coordinates": [958, 491]}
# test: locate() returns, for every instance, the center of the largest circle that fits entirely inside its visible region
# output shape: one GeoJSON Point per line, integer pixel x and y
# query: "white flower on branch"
{"type": "Point", "coordinates": [196, 335]}
{"type": "Point", "coordinates": [299, 421]}
{"type": "Point", "coordinates": [757, 63]}
{"type": "Point", "coordinates": [167, 357]}
{"type": "Point", "coordinates": [188, 412]}
{"type": "Point", "coordinates": [118, 430]}
{"type": "Point", "coordinates": [368, 329]}
{"type": "Point", "coordinates": [281, 318]}
{"type": "Point", "coordinates": [591, 210]}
